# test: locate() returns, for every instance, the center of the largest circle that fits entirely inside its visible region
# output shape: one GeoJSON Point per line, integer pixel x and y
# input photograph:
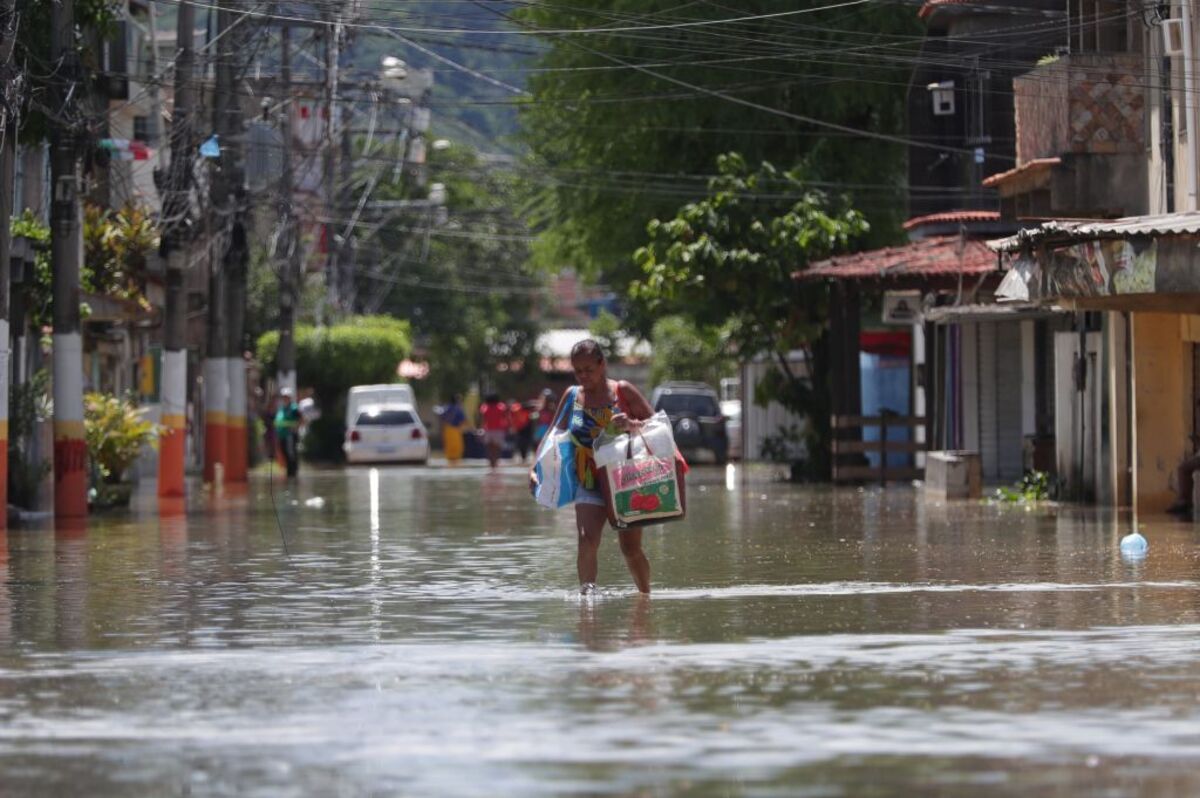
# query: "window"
{"type": "Point", "coordinates": [385, 418]}
{"type": "Point", "coordinates": [142, 130]}
{"type": "Point", "coordinates": [697, 404]}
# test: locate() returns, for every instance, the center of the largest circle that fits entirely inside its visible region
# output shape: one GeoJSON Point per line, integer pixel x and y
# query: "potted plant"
{"type": "Point", "coordinates": [116, 431]}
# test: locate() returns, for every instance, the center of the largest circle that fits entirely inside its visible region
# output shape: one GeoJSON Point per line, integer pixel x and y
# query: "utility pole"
{"type": "Point", "coordinates": [8, 159]}
{"type": "Point", "coordinates": [66, 254]}
{"type": "Point", "coordinates": [216, 372]}
{"type": "Point", "coordinates": [345, 247]}
{"type": "Point", "coordinates": [155, 77]}
{"type": "Point", "coordinates": [173, 444]}
{"type": "Point", "coordinates": [332, 195]}
{"type": "Point", "coordinates": [289, 271]}
{"type": "Point", "coordinates": [234, 210]}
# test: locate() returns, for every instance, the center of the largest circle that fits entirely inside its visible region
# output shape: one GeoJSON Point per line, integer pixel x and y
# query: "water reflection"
{"type": "Point", "coordinates": [424, 637]}
{"type": "Point", "coordinates": [6, 621]}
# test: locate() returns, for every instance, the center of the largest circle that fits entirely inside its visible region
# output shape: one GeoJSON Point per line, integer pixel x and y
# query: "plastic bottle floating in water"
{"type": "Point", "coordinates": [1134, 545]}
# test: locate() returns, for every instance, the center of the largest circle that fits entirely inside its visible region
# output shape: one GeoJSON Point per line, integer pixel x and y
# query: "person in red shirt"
{"type": "Point", "coordinates": [522, 424]}
{"type": "Point", "coordinates": [496, 422]}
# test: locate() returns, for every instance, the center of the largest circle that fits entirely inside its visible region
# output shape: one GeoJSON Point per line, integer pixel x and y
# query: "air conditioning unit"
{"type": "Point", "coordinates": [942, 94]}
{"type": "Point", "coordinates": [1172, 33]}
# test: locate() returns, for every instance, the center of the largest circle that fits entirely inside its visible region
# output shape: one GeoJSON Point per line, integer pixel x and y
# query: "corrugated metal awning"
{"type": "Point", "coordinates": [1068, 232]}
{"type": "Point", "coordinates": [1012, 311]}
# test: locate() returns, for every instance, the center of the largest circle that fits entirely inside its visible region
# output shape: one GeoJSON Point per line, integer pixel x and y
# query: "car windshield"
{"type": "Point", "coordinates": [699, 404]}
{"type": "Point", "coordinates": [384, 418]}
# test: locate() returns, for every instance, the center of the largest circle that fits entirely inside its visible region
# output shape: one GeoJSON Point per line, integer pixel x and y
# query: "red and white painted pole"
{"type": "Point", "coordinates": [236, 444]}
{"type": "Point", "coordinates": [216, 401]}
{"type": "Point", "coordinates": [172, 446]}
{"type": "Point", "coordinates": [66, 254]}
{"type": "Point", "coordinates": [8, 158]}
{"type": "Point", "coordinates": [70, 444]}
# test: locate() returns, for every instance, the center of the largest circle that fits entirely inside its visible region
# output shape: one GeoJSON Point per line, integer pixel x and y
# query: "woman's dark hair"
{"type": "Point", "coordinates": [492, 398]}
{"type": "Point", "coordinates": [587, 348]}
{"type": "Point", "coordinates": [456, 398]}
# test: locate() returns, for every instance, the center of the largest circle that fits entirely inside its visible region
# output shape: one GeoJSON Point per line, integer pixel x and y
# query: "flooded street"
{"type": "Point", "coordinates": [424, 636]}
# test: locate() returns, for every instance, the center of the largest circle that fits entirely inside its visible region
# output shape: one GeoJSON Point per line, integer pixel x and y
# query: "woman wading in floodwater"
{"type": "Point", "coordinates": [598, 404]}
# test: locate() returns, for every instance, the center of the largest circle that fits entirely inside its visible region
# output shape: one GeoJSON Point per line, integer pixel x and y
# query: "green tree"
{"type": "Point", "coordinates": [95, 20]}
{"type": "Point", "coordinates": [458, 273]}
{"type": "Point", "coordinates": [331, 360]}
{"type": "Point", "coordinates": [684, 351]}
{"type": "Point", "coordinates": [612, 145]}
{"type": "Point", "coordinates": [116, 248]}
{"type": "Point", "coordinates": [607, 330]}
{"type": "Point", "coordinates": [728, 261]}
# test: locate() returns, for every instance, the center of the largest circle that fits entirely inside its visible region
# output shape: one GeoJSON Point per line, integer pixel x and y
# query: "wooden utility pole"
{"type": "Point", "coordinates": [176, 208]}
{"type": "Point", "coordinates": [66, 254]}
{"type": "Point", "coordinates": [289, 272]}
{"type": "Point", "coordinates": [8, 159]}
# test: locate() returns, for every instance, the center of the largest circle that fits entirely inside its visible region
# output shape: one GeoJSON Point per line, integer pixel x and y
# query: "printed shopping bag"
{"type": "Point", "coordinates": [641, 478]}
{"type": "Point", "coordinates": [554, 467]}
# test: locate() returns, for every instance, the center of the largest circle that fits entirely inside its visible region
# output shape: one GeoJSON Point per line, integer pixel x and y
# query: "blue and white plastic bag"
{"type": "Point", "coordinates": [554, 466]}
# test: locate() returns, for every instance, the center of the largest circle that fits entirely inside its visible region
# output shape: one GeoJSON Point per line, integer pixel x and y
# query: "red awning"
{"type": "Point", "coordinates": [893, 343]}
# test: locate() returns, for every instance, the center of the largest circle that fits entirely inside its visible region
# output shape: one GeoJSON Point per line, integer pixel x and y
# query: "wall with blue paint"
{"type": "Point", "coordinates": [886, 381]}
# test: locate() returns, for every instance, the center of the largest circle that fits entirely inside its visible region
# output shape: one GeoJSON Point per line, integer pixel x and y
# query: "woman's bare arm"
{"type": "Point", "coordinates": [635, 405]}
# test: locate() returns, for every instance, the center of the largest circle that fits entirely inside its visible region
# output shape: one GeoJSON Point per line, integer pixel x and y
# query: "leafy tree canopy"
{"type": "Point", "coordinates": [117, 245]}
{"type": "Point", "coordinates": [684, 351]}
{"type": "Point", "coordinates": [331, 360]}
{"type": "Point", "coordinates": [613, 145]}
{"type": "Point", "coordinates": [458, 274]}
{"type": "Point", "coordinates": [363, 349]}
{"type": "Point", "coordinates": [727, 262]}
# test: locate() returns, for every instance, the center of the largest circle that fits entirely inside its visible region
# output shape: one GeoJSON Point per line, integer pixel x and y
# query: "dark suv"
{"type": "Point", "coordinates": [695, 414]}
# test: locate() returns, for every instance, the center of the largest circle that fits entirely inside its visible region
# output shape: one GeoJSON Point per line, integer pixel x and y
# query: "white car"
{"type": "Point", "coordinates": [386, 433]}
{"type": "Point", "coordinates": [358, 397]}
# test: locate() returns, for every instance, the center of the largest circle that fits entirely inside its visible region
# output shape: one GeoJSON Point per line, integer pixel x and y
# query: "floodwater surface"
{"type": "Point", "coordinates": [423, 635]}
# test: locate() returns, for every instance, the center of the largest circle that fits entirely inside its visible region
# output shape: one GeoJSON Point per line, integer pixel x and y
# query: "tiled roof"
{"type": "Point", "coordinates": [928, 257]}
{"type": "Point", "coordinates": [932, 5]}
{"type": "Point", "coordinates": [1037, 164]}
{"type": "Point", "coordinates": [952, 216]}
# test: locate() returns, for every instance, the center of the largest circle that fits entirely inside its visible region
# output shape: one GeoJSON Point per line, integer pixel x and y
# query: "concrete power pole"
{"type": "Point", "coordinates": [332, 195]}
{"type": "Point", "coordinates": [289, 272]}
{"type": "Point", "coordinates": [173, 445]}
{"type": "Point", "coordinates": [66, 253]}
{"type": "Point", "coordinates": [8, 159]}
{"type": "Point", "coordinates": [234, 210]}
{"type": "Point", "coordinates": [216, 368]}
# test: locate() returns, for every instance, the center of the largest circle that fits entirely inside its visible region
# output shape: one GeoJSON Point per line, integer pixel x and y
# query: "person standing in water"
{"type": "Point", "coordinates": [287, 430]}
{"type": "Point", "coordinates": [496, 422]}
{"type": "Point", "coordinates": [598, 403]}
{"type": "Point", "coordinates": [453, 420]}
{"type": "Point", "coordinates": [522, 424]}
{"type": "Point", "coordinates": [543, 416]}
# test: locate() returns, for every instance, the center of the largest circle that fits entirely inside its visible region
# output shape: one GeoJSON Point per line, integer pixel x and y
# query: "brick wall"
{"type": "Point", "coordinates": [1088, 103]}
